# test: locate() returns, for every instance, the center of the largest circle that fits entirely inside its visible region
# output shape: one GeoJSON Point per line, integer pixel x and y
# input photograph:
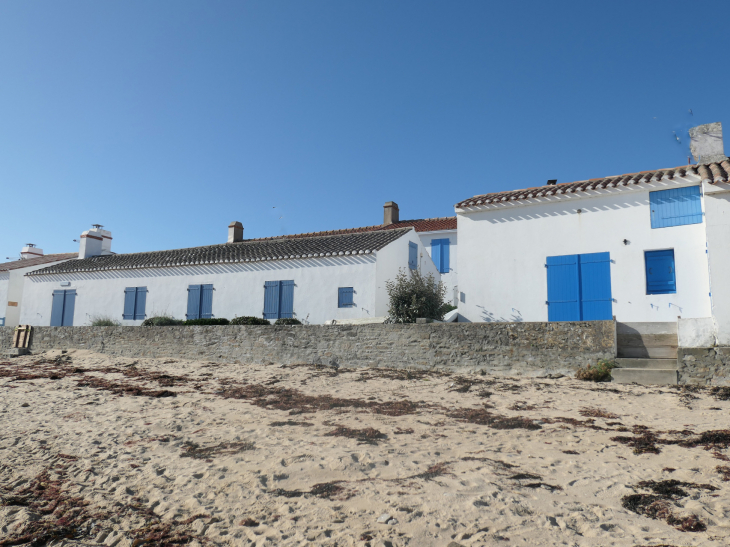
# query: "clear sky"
{"type": "Point", "coordinates": [165, 120]}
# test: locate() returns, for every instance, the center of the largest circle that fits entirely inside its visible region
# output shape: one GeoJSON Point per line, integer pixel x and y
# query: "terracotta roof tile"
{"type": "Point", "coordinates": [28, 262]}
{"type": "Point", "coordinates": [712, 173]}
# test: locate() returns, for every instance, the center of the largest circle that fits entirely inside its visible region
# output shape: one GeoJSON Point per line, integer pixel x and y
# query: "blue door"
{"type": "Point", "coordinates": [579, 287]}
{"type": "Point", "coordinates": [62, 308]}
{"type": "Point", "coordinates": [660, 274]}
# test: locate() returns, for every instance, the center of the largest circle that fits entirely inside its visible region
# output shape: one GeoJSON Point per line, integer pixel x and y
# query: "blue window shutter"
{"type": "Point", "coordinates": [286, 308]}
{"type": "Point", "coordinates": [345, 297]}
{"type": "Point", "coordinates": [563, 281]}
{"type": "Point", "coordinates": [141, 303]}
{"type": "Point", "coordinates": [675, 207]}
{"type": "Point", "coordinates": [596, 302]}
{"type": "Point", "coordinates": [193, 302]}
{"type": "Point", "coordinates": [445, 263]}
{"type": "Point", "coordinates": [206, 302]}
{"type": "Point", "coordinates": [68, 308]}
{"type": "Point", "coordinates": [271, 300]}
{"type": "Point", "coordinates": [130, 294]}
{"type": "Point", "coordinates": [436, 252]}
{"type": "Point", "coordinates": [412, 255]}
{"type": "Point", "coordinates": [57, 309]}
{"type": "Point", "coordinates": [660, 272]}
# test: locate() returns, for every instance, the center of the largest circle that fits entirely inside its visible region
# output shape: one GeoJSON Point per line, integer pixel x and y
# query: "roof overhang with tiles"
{"type": "Point", "coordinates": [713, 173]}
{"type": "Point", "coordinates": [364, 243]}
{"type": "Point", "coordinates": [37, 261]}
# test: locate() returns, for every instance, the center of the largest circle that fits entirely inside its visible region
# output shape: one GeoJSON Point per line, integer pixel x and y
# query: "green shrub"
{"type": "Point", "coordinates": [287, 321]}
{"type": "Point", "coordinates": [161, 321]}
{"type": "Point", "coordinates": [104, 321]}
{"type": "Point", "coordinates": [600, 372]}
{"type": "Point", "coordinates": [249, 320]}
{"type": "Point", "coordinates": [211, 321]}
{"type": "Point", "coordinates": [414, 295]}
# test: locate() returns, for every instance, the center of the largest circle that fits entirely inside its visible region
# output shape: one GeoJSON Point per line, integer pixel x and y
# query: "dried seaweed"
{"type": "Point", "coordinates": [597, 413]}
{"type": "Point", "coordinates": [194, 450]}
{"type": "Point", "coordinates": [482, 416]}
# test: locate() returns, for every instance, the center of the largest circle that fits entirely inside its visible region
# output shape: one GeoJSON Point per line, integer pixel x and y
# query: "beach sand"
{"type": "Point", "coordinates": [103, 450]}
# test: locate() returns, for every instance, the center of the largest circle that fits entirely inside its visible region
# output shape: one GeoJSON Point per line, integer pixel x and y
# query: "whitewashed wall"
{"type": "Point", "coordinates": [4, 278]}
{"type": "Point", "coordinates": [717, 207]}
{"type": "Point", "coordinates": [450, 279]}
{"type": "Point", "coordinates": [502, 271]}
{"type": "Point", "coordinates": [14, 293]}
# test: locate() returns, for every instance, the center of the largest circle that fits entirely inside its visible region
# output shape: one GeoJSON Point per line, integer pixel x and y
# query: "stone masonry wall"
{"type": "Point", "coordinates": [704, 366]}
{"type": "Point", "coordinates": [531, 349]}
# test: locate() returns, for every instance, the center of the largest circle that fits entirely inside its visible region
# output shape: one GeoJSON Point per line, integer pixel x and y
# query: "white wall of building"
{"type": "Point", "coordinates": [4, 280]}
{"type": "Point", "coordinates": [14, 284]}
{"type": "Point", "coordinates": [717, 208]}
{"type": "Point", "coordinates": [501, 265]}
{"type": "Point", "coordinates": [450, 279]}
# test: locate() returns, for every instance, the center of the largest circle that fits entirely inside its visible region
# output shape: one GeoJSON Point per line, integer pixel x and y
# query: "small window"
{"type": "Point", "coordinates": [660, 273]}
{"type": "Point", "coordinates": [2, 321]}
{"type": "Point", "coordinates": [675, 207]}
{"type": "Point", "coordinates": [412, 255]}
{"type": "Point", "coordinates": [135, 300]}
{"type": "Point", "coordinates": [345, 298]}
{"type": "Point", "coordinates": [440, 254]}
{"type": "Point", "coordinates": [200, 302]}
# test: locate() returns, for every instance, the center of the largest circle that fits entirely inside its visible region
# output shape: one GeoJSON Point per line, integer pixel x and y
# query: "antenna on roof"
{"type": "Point", "coordinates": [97, 226]}
{"type": "Point", "coordinates": [30, 245]}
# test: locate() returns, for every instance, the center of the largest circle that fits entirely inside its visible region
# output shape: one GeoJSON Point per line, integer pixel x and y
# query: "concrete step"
{"type": "Point", "coordinates": [661, 346]}
{"type": "Point", "coordinates": [648, 353]}
{"type": "Point", "coordinates": [644, 376]}
{"type": "Point", "coordinates": [646, 328]}
{"type": "Point", "coordinates": [647, 363]}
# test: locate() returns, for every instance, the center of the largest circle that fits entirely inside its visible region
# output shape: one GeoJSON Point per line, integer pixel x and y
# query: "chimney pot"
{"type": "Point", "coordinates": [552, 182]}
{"type": "Point", "coordinates": [235, 232]}
{"type": "Point", "coordinates": [30, 251]}
{"type": "Point", "coordinates": [390, 213]}
{"type": "Point", "coordinates": [92, 242]}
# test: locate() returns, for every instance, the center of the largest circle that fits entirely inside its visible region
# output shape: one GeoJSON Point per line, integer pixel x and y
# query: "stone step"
{"type": "Point", "coordinates": [662, 346]}
{"type": "Point", "coordinates": [647, 363]}
{"type": "Point", "coordinates": [646, 328]}
{"type": "Point", "coordinates": [640, 352]}
{"type": "Point", "coordinates": [644, 376]}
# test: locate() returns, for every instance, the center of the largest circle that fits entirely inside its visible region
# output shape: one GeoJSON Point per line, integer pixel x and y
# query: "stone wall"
{"type": "Point", "coordinates": [497, 348]}
{"type": "Point", "coordinates": [704, 366]}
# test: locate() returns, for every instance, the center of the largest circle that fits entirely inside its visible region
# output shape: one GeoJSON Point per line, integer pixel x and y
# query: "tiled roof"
{"type": "Point", "coordinates": [255, 250]}
{"type": "Point", "coordinates": [29, 262]}
{"type": "Point", "coordinates": [420, 225]}
{"type": "Point", "coordinates": [712, 173]}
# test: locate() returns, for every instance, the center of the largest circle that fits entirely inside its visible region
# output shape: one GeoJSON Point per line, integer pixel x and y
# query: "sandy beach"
{"type": "Point", "coordinates": [102, 450]}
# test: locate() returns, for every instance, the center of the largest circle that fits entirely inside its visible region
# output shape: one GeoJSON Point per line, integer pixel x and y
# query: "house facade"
{"type": "Point", "coordinates": [643, 247]}
{"type": "Point", "coordinates": [313, 278]}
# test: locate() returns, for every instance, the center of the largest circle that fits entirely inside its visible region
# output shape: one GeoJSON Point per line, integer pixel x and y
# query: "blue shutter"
{"type": "Point", "coordinates": [445, 262]}
{"type": "Point", "coordinates": [412, 255]}
{"type": "Point", "coordinates": [140, 304]}
{"type": "Point", "coordinates": [286, 308]}
{"type": "Point", "coordinates": [57, 309]}
{"type": "Point", "coordinates": [436, 252]}
{"type": "Point", "coordinates": [596, 302]}
{"type": "Point", "coordinates": [563, 288]}
{"type": "Point", "coordinates": [193, 302]}
{"type": "Point", "coordinates": [206, 302]}
{"type": "Point", "coordinates": [69, 304]}
{"type": "Point", "coordinates": [660, 274]}
{"type": "Point", "coordinates": [675, 207]}
{"type": "Point", "coordinates": [130, 294]}
{"type": "Point", "coordinates": [2, 321]}
{"type": "Point", "coordinates": [345, 297]}
{"type": "Point", "coordinates": [271, 300]}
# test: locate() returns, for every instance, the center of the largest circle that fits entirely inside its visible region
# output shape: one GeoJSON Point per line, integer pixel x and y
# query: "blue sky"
{"type": "Point", "coordinates": [166, 120]}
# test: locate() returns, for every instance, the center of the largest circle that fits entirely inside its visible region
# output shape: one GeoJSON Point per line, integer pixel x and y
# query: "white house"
{"type": "Point", "coordinates": [12, 278]}
{"type": "Point", "coordinates": [643, 247]}
{"type": "Point", "coordinates": [314, 278]}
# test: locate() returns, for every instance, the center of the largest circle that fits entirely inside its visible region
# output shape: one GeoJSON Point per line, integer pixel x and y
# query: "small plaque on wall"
{"type": "Point", "coordinates": [13, 304]}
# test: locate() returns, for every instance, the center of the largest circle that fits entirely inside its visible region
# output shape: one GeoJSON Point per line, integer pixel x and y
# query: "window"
{"type": "Point", "coordinates": [345, 297]}
{"type": "Point", "coordinates": [200, 302]}
{"type": "Point", "coordinates": [278, 299]}
{"type": "Point", "coordinates": [62, 309]}
{"type": "Point", "coordinates": [135, 299]}
{"type": "Point", "coordinates": [660, 274]}
{"type": "Point", "coordinates": [2, 321]}
{"type": "Point", "coordinates": [412, 255]}
{"type": "Point", "coordinates": [440, 254]}
{"type": "Point", "coordinates": [675, 207]}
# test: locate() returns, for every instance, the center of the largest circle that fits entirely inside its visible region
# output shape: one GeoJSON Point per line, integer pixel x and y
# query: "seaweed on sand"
{"type": "Point", "coordinates": [482, 416]}
{"type": "Point", "coordinates": [366, 435]}
{"type": "Point", "coordinates": [194, 450]}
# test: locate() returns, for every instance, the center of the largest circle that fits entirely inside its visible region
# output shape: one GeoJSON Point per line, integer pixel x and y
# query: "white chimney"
{"type": "Point", "coordinates": [235, 232]}
{"type": "Point", "coordinates": [30, 251]}
{"type": "Point", "coordinates": [106, 243]}
{"type": "Point", "coordinates": [706, 143]}
{"type": "Point", "coordinates": [91, 242]}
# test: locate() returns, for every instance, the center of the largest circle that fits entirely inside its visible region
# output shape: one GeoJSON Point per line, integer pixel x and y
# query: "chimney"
{"type": "Point", "coordinates": [235, 232]}
{"type": "Point", "coordinates": [552, 182]}
{"type": "Point", "coordinates": [106, 240]}
{"type": "Point", "coordinates": [390, 213]}
{"type": "Point", "coordinates": [30, 251]}
{"type": "Point", "coordinates": [706, 143]}
{"type": "Point", "coordinates": [91, 242]}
